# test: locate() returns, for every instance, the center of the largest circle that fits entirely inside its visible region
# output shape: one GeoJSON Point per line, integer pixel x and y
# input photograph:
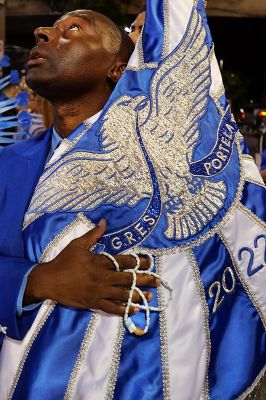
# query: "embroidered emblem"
{"type": "Point", "coordinates": [147, 145]}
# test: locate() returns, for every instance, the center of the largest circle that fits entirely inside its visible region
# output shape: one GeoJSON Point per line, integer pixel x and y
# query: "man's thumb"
{"type": "Point", "coordinates": [90, 238]}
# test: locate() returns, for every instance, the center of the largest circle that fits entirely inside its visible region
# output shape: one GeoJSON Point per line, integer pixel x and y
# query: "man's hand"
{"type": "Point", "coordinates": [81, 279]}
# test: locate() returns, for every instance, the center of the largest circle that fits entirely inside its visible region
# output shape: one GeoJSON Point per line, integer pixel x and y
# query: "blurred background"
{"type": "Point", "coordinates": [239, 33]}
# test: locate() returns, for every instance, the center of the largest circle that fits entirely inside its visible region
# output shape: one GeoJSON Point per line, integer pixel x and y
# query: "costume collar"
{"type": "Point", "coordinates": [56, 138]}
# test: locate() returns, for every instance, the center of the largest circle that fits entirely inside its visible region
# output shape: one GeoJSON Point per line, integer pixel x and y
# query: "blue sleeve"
{"type": "Point", "coordinates": [244, 147]}
{"type": "Point", "coordinates": [263, 160]}
{"type": "Point", "coordinates": [12, 275]}
{"type": "Point", "coordinates": [20, 308]}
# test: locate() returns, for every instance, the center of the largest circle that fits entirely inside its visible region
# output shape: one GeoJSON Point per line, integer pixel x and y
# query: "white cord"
{"type": "Point", "coordinates": [132, 328]}
{"type": "Point", "coordinates": [127, 320]}
{"type": "Point", "coordinates": [117, 268]}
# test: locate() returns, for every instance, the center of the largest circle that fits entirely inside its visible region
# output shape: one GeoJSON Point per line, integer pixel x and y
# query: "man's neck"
{"type": "Point", "coordinates": [68, 115]}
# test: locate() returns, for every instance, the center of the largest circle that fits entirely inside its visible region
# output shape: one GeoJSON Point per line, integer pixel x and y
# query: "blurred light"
{"type": "Point", "coordinates": [221, 62]}
{"type": "Point", "coordinates": [251, 101]}
{"type": "Point", "coordinates": [262, 113]}
{"type": "Point", "coordinates": [127, 29]}
{"type": "Point", "coordinates": [243, 116]}
{"type": "Point", "coordinates": [241, 110]}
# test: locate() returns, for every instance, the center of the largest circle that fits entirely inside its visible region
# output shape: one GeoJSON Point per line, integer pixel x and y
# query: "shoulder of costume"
{"type": "Point", "coordinates": [29, 146]}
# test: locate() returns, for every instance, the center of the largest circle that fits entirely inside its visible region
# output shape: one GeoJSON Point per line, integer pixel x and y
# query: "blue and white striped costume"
{"type": "Point", "coordinates": [170, 178]}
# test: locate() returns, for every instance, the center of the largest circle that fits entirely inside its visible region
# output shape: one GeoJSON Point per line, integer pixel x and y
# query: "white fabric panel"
{"type": "Point", "coordinates": [134, 61]}
{"type": "Point", "coordinates": [241, 231]}
{"type": "Point", "coordinates": [185, 327]}
{"type": "Point", "coordinates": [251, 171]}
{"type": "Point", "coordinates": [179, 15]}
{"type": "Point", "coordinates": [93, 377]}
{"type": "Point", "coordinates": [12, 352]}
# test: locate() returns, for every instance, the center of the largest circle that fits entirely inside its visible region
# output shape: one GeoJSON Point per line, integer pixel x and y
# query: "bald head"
{"type": "Point", "coordinates": [114, 39]}
{"type": "Point", "coordinates": [84, 52]}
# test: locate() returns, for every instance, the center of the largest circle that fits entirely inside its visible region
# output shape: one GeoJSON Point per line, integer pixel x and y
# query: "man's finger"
{"type": "Point", "coordinates": [110, 307]}
{"type": "Point", "coordinates": [130, 262]}
{"type": "Point", "coordinates": [125, 279]}
{"type": "Point", "coordinates": [122, 295]}
{"type": "Point", "coordinates": [90, 238]}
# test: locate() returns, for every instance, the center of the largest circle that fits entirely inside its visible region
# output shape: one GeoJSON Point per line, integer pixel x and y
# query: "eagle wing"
{"type": "Point", "coordinates": [82, 180]}
{"type": "Point", "coordinates": [179, 96]}
{"type": "Point", "coordinates": [179, 99]}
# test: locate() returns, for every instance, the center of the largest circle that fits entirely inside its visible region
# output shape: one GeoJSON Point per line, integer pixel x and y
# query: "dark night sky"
{"type": "Point", "coordinates": [240, 42]}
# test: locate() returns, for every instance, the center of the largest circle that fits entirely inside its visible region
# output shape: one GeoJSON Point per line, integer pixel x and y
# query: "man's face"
{"type": "Point", "coordinates": [136, 27]}
{"type": "Point", "coordinates": [73, 56]}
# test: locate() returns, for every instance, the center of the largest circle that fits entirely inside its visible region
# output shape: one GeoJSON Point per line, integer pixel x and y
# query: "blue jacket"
{"type": "Point", "coordinates": [20, 168]}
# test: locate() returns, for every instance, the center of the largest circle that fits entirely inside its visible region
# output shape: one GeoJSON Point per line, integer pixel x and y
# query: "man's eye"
{"type": "Point", "coordinates": [74, 27]}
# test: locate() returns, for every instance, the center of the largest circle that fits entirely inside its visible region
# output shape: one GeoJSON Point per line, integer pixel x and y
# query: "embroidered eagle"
{"type": "Point", "coordinates": [162, 127]}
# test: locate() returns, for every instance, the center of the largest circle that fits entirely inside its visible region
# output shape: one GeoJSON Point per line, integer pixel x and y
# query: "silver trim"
{"type": "Point", "coordinates": [166, 39]}
{"type": "Point", "coordinates": [163, 335]}
{"type": "Point", "coordinates": [255, 182]}
{"type": "Point", "coordinates": [142, 66]}
{"type": "Point", "coordinates": [252, 216]}
{"type": "Point", "coordinates": [80, 218]}
{"type": "Point", "coordinates": [81, 357]}
{"type": "Point", "coordinates": [206, 313]}
{"type": "Point", "coordinates": [256, 388]}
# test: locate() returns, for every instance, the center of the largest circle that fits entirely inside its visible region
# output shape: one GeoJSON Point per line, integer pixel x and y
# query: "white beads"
{"type": "Point", "coordinates": [117, 268]}
{"type": "Point", "coordinates": [132, 328]}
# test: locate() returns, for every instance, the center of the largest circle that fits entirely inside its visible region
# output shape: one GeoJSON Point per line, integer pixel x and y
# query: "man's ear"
{"type": "Point", "coordinates": [116, 71]}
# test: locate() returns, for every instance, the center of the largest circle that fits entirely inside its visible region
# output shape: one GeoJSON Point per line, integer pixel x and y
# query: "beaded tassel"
{"type": "Point", "coordinates": [131, 327]}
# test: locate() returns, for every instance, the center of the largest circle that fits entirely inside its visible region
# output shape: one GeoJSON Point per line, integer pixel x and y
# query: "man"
{"type": "Point", "coordinates": [72, 38]}
{"type": "Point", "coordinates": [165, 194]}
{"type": "Point", "coordinates": [89, 100]}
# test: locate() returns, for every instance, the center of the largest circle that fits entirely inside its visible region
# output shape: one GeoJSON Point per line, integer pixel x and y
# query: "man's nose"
{"type": "Point", "coordinates": [46, 34]}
